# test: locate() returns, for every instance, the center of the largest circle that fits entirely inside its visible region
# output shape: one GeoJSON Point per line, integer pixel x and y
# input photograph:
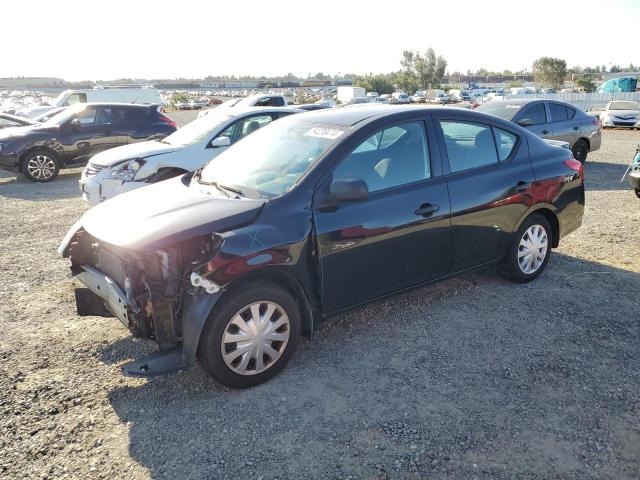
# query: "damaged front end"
{"type": "Point", "coordinates": [158, 295]}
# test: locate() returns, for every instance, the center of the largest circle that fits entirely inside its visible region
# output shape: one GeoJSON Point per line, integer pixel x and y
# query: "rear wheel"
{"type": "Point", "coordinates": [251, 335]}
{"type": "Point", "coordinates": [40, 165]}
{"type": "Point", "coordinates": [580, 150]}
{"type": "Point", "coordinates": [529, 253]}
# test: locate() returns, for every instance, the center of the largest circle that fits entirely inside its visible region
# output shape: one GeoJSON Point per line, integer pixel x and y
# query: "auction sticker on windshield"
{"type": "Point", "coordinates": [322, 132]}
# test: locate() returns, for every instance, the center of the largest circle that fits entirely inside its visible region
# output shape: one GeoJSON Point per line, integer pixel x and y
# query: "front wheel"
{"type": "Point", "coordinates": [40, 166]}
{"type": "Point", "coordinates": [637, 190]}
{"type": "Point", "coordinates": [251, 335]}
{"type": "Point", "coordinates": [529, 253]}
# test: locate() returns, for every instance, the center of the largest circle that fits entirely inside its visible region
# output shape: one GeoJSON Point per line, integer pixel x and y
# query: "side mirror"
{"type": "Point", "coordinates": [220, 142]}
{"type": "Point", "coordinates": [75, 123]}
{"type": "Point", "coordinates": [525, 122]}
{"type": "Point", "coordinates": [349, 190]}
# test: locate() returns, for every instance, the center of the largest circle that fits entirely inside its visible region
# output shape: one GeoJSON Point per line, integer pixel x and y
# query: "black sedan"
{"type": "Point", "coordinates": [71, 137]}
{"type": "Point", "coordinates": [312, 215]}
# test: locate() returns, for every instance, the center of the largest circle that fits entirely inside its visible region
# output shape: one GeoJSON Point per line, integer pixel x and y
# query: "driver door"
{"type": "Point", "coordinates": [399, 236]}
{"type": "Point", "coordinates": [85, 139]}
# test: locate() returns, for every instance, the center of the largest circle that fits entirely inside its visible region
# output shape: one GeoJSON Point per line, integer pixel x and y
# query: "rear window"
{"type": "Point", "coordinates": [131, 115]}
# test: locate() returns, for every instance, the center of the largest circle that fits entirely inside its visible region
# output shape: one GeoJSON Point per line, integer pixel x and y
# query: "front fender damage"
{"type": "Point", "coordinates": [196, 311]}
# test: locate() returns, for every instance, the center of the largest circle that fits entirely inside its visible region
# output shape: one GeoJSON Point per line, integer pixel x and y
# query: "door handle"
{"type": "Point", "coordinates": [427, 209]}
{"type": "Point", "coordinates": [522, 186]}
{"type": "Point", "coordinates": [576, 128]}
{"type": "Point", "coordinates": [544, 132]}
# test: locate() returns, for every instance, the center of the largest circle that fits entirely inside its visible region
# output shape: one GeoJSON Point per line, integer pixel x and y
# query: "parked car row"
{"type": "Point", "coordinates": [287, 226]}
{"type": "Point", "coordinates": [69, 138]}
{"type": "Point", "coordinates": [551, 120]}
{"type": "Point", "coordinates": [130, 167]}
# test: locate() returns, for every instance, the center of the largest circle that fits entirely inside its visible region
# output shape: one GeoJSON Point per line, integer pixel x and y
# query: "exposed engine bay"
{"type": "Point", "coordinates": [146, 291]}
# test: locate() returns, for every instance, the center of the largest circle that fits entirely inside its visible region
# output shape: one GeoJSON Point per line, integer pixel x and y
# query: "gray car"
{"type": "Point", "coordinates": [551, 120]}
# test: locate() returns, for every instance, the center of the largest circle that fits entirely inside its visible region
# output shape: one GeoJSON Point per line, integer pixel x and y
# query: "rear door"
{"type": "Point", "coordinates": [562, 124]}
{"type": "Point", "coordinates": [132, 124]}
{"type": "Point", "coordinates": [534, 118]}
{"type": "Point", "coordinates": [399, 236]}
{"type": "Point", "coordinates": [489, 178]}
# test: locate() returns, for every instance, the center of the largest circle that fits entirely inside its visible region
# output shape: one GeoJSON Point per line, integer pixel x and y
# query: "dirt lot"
{"type": "Point", "coordinates": [472, 378]}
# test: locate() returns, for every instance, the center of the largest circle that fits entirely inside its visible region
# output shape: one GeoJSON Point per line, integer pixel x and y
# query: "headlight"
{"type": "Point", "coordinates": [126, 171]}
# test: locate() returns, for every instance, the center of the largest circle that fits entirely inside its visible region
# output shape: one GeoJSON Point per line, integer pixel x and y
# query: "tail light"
{"type": "Point", "coordinates": [575, 165]}
{"type": "Point", "coordinates": [165, 119]}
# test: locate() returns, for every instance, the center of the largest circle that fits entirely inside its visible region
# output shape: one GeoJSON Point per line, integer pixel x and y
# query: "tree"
{"type": "Point", "coordinates": [550, 72]}
{"type": "Point", "coordinates": [586, 85]}
{"type": "Point", "coordinates": [420, 71]}
{"type": "Point", "coordinates": [375, 83]}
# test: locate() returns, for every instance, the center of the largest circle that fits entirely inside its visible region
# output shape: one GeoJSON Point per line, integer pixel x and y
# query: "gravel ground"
{"type": "Point", "coordinates": [471, 378]}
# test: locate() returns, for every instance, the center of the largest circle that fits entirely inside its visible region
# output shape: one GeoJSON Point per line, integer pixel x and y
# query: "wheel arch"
{"type": "Point", "coordinates": [548, 212]}
{"type": "Point", "coordinates": [585, 140]}
{"type": "Point", "coordinates": [28, 150]}
{"type": "Point", "coordinates": [287, 282]}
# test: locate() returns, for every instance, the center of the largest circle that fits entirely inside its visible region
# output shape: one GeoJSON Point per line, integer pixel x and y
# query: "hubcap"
{"type": "Point", "coordinates": [255, 338]}
{"type": "Point", "coordinates": [532, 249]}
{"type": "Point", "coordinates": [41, 167]}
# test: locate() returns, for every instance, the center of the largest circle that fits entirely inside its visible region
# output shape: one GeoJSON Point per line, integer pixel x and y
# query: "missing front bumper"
{"type": "Point", "coordinates": [115, 300]}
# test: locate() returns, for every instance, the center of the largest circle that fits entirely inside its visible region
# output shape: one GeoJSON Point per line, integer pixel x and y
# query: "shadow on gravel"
{"type": "Point", "coordinates": [605, 176]}
{"type": "Point", "coordinates": [473, 377]}
{"type": "Point", "coordinates": [63, 187]}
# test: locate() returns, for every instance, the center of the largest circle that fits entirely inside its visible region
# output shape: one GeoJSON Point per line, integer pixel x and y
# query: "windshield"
{"type": "Point", "coordinates": [270, 161]}
{"type": "Point", "coordinates": [199, 129]}
{"type": "Point", "coordinates": [624, 106]}
{"type": "Point", "coordinates": [499, 109]}
{"type": "Point", "coordinates": [64, 115]}
{"type": "Point", "coordinates": [60, 99]}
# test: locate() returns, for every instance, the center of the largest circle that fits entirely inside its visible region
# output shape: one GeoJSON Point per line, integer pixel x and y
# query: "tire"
{"type": "Point", "coordinates": [580, 150]}
{"type": "Point", "coordinates": [637, 190]}
{"type": "Point", "coordinates": [223, 359]}
{"type": "Point", "coordinates": [40, 165]}
{"type": "Point", "coordinates": [517, 270]}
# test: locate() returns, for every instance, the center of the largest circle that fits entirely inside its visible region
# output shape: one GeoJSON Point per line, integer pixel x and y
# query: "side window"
{"type": "Point", "coordinates": [505, 142]}
{"type": "Point", "coordinates": [277, 101]}
{"type": "Point", "coordinates": [469, 145]}
{"type": "Point", "coordinates": [392, 157]}
{"type": "Point", "coordinates": [558, 112]}
{"type": "Point", "coordinates": [87, 116]}
{"type": "Point", "coordinates": [535, 113]}
{"type": "Point", "coordinates": [570, 112]}
{"type": "Point", "coordinates": [76, 98]}
{"type": "Point", "coordinates": [264, 102]}
{"type": "Point", "coordinates": [134, 115]}
{"type": "Point", "coordinates": [104, 116]}
{"type": "Point", "coordinates": [229, 131]}
{"type": "Point", "coordinates": [251, 124]}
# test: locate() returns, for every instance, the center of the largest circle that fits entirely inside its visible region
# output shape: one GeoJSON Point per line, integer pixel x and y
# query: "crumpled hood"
{"type": "Point", "coordinates": [133, 150]}
{"type": "Point", "coordinates": [157, 215]}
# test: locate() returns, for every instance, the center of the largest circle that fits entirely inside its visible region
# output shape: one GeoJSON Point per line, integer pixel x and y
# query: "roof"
{"type": "Point", "coordinates": [351, 115]}
{"type": "Point", "coordinates": [119, 104]}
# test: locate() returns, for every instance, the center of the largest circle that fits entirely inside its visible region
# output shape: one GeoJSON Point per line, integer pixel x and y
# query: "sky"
{"type": "Point", "coordinates": [89, 40]}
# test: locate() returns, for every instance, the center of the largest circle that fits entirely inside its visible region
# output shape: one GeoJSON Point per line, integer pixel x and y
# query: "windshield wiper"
{"type": "Point", "coordinates": [228, 191]}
